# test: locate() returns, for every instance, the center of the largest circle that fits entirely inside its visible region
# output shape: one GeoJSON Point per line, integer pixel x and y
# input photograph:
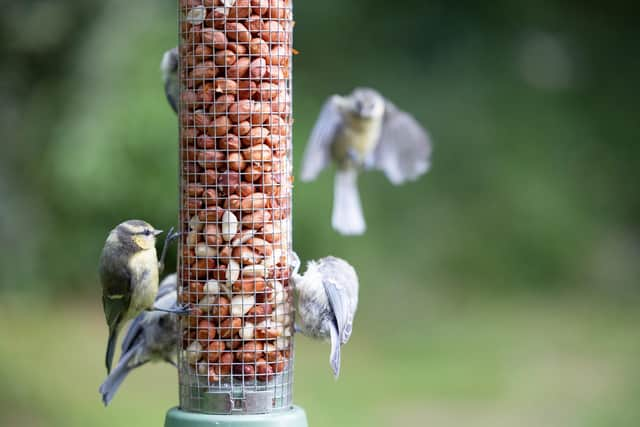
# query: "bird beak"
{"type": "Point", "coordinates": [157, 232]}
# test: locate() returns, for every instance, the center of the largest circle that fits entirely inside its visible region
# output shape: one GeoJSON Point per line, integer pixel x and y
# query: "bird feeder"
{"type": "Point", "coordinates": [235, 260]}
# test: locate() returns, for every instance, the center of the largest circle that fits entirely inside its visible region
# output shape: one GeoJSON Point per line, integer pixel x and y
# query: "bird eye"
{"type": "Point", "coordinates": [147, 232]}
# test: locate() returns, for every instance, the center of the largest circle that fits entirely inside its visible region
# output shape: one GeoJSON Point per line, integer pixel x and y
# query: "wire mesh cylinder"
{"type": "Point", "coordinates": [235, 260]}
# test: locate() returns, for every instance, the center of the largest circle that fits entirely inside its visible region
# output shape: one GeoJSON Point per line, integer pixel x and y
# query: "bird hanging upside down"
{"type": "Point", "coordinates": [327, 303]}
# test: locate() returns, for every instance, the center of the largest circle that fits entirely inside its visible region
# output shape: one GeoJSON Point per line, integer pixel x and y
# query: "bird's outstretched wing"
{"type": "Point", "coordinates": [317, 155]}
{"type": "Point", "coordinates": [404, 150]}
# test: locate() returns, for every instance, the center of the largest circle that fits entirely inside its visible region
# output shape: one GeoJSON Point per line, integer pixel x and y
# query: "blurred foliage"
{"type": "Point", "coordinates": [531, 108]}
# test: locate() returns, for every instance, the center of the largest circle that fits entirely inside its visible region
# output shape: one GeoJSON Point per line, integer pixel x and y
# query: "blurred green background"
{"type": "Point", "coordinates": [500, 289]}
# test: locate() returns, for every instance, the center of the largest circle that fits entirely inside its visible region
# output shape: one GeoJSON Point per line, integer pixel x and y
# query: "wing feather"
{"type": "Point", "coordinates": [338, 298]}
{"type": "Point", "coordinates": [404, 150]}
{"type": "Point", "coordinates": [167, 285]}
{"type": "Point", "coordinates": [317, 155]}
{"type": "Point", "coordinates": [133, 333]}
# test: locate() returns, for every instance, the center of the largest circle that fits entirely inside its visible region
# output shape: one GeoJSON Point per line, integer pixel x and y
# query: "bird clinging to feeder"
{"type": "Point", "coordinates": [129, 270]}
{"type": "Point", "coordinates": [327, 303]}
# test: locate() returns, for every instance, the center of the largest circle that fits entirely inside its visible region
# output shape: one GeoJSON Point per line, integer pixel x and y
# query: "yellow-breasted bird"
{"type": "Point", "coordinates": [364, 131]}
{"type": "Point", "coordinates": [129, 271]}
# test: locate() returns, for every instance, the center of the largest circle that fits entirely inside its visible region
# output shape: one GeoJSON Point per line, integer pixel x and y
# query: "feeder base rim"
{"type": "Point", "coordinates": [294, 417]}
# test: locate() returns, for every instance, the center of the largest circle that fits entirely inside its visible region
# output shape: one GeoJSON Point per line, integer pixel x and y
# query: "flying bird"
{"type": "Point", "coordinates": [364, 131]}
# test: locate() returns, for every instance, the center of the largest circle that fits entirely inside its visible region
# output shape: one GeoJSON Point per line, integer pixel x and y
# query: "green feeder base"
{"type": "Point", "coordinates": [294, 417]}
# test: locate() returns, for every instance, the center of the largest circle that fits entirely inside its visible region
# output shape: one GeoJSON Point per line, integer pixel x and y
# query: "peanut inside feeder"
{"type": "Point", "coordinates": [234, 264]}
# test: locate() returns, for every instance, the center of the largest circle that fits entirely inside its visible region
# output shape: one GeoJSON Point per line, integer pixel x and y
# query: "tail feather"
{"type": "Point", "coordinates": [347, 217]}
{"type": "Point", "coordinates": [111, 347]}
{"type": "Point", "coordinates": [111, 384]}
{"type": "Point", "coordinates": [334, 358]}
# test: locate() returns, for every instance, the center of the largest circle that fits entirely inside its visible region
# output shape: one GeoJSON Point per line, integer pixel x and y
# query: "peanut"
{"type": "Point", "coordinates": [272, 32]}
{"type": "Point", "coordinates": [206, 331]}
{"type": "Point", "coordinates": [264, 371]}
{"type": "Point", "coordinates": [258, 47]}
{"type": "Point", "coordinates": [222, 103]}
{"type": "Point", "coordinates": [249, 286]}
{"type": "Point", "coordinates": [240, 10]}
{"type": "Point", "coordinates": [257, 153]}
{"type": "Point", "coordinates": [194, 352]}
{"type": "Point", "coordinates": [213, 236]}
{"type": "Point", "coordinates": [239, 69]}
{"type": "Point", "coordinates": [242, 129]}
{"type": "Point", "coordinates": [254, 202]}
{"type": "Point", "coordinates": [246, 256]}
{"type": "Point", "coordinates": [251, 351]}
{"type": "Point", "coordinates": [214, 350]}
{"type": "Point", "coordinates": [256, 220]}
{"type": "Point", "coordinates": [220, 126]}
{"type": "Point", "coordinates": [240, 111]}
{"type": "Point", "coordinates": [257, 135]}
{"type": "Point", "coordinates": [246, 89]}
{"type": "Point", "coordinates": [225, 58]}
{"type": "Point", "coordinates": [241, 304]}
{"type": "Point", "coordinates": [229, 327]}
{"type": "Point", "coordinates": [259, 6]}
{"type": "Point", "coordinates": [229, 225]}
{"type": "Point", "coordinates": [238, 32]}
{"type": "Point", "coordinates": [236, 162]}
{"type": "Point", "coordinates": [221, 307]}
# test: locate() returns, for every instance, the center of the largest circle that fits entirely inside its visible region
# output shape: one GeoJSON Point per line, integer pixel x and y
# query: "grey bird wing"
{"type": "Point", "coordinates": [404, 150]}
{"type": "Point", "coordinates": [167, 286]}
{"type": "Point", "coordinates": [317, 155]}
{"type": "Point", "coordinates": [134, 333]}
{"type": "Point", "coordinates": [338, 299]}
{"type": "Point", "coordinates": [341, 326]}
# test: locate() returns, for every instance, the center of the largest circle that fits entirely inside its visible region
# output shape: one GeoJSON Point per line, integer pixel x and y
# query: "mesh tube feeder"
{"type": "Point", "coordinates": [234, 260]}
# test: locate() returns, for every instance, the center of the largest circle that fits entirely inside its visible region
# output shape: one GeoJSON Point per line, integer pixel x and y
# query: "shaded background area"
{"type": "Point", "coordinates": [500, 289]}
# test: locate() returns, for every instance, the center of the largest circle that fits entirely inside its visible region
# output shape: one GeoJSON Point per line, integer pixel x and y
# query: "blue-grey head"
{"type": "Point", "coordinates": [367, 103]}
{"type": "Point", "coordinates": [138, 233]}
{"type": "Point", "coordinates": [169, 64]}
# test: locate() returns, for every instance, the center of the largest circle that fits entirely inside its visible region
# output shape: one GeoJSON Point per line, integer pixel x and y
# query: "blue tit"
{"type": "Point", "coordinates": [364, 131]}
{"type": "Point", "coordinates": [152, 336]}
{"type": "Point", "coordinates": [129, 270]}
{"type": "Point", "coordinates": [327, 303]}
{"type": "Point", "coordinates": [169, 67]}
